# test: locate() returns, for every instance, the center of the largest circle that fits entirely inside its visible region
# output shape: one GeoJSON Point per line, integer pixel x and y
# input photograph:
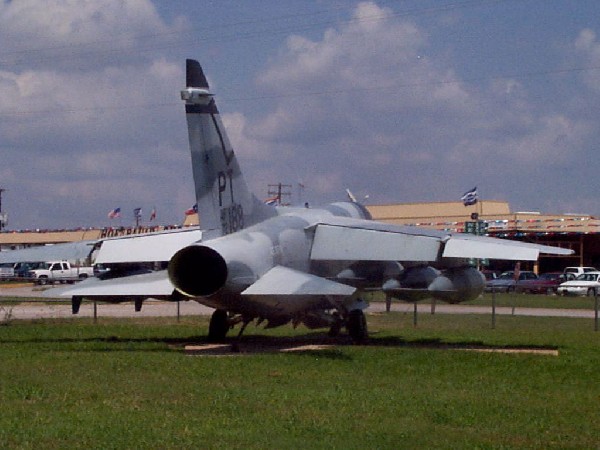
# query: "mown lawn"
{"type": "Point", "coordinates": [127, 383]}
{"type": "Point", "coordinates": [517, 300]}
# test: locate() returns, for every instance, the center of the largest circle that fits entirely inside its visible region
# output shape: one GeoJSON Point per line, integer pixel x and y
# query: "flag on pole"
{"type": "Point", "coordinates": [192, 210]}
{"type": "Point", "coordinates": [153, 214]}
{"type": "Point", "coordinates": [470, 197]}
{"type": "Point", "coordinates": [137, 213]}
{"type": "Point", "coordinates": [272, 200]}
{"type": "Point", "coordinates": [113, 214]}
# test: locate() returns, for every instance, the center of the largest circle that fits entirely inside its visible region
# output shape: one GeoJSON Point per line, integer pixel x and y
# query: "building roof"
{"type": "Point", "coordinates": [452, 216]}
{"type": "Point", "coordinates": [40, 237]}
{"type": "Point", "coordinates": [448, 216]}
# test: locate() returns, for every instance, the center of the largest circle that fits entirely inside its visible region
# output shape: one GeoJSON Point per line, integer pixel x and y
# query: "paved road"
{"type": "Point", "coordinates": [34, 310]}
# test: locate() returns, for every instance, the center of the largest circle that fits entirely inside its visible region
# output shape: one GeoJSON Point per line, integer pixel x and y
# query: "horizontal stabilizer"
{"type": "Point", "coordinates": [340, 243]}
{"type": "Point", "coordinates": [153, 284]}
{"type": "Point", "coordinates": [283, 281]}
{"type": "Point", "coordinates": [146, 248]}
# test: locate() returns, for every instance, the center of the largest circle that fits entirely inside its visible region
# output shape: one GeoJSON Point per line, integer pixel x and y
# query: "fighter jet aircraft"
{"type": "Point", "coordinates": [308, 266]}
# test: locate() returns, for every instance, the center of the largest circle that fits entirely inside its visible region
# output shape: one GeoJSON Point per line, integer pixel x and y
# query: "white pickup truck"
{"type": "Point", "coordinates": [61, 271]}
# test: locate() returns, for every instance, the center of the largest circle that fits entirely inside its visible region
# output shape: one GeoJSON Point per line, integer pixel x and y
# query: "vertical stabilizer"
{"type": "Point", "coordinates": [225, 204]}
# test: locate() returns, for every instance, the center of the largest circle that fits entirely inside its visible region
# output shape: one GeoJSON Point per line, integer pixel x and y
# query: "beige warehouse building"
{"type": "Point", "coordinates": [580, 232]}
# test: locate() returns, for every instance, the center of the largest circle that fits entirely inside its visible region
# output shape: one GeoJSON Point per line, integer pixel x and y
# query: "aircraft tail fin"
{"type": "Point", "coordinates": [225, 204]}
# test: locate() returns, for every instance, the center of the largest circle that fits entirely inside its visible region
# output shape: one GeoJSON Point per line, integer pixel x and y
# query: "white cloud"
{"type": "Point", "coordinates": [586, 40]}
{"type": "Point", "coordinates": [35, 24]}
{"type": "Point", "coordinates": [89, 113]}
{"type": "Point", "coordinates": [362, 107]}
{"type": "Point", "coordinates": [85, 124]}
{"type": "Point", "coordinates": [588, 46]}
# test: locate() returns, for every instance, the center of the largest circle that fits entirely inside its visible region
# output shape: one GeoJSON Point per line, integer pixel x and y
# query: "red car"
{"type": "Point", "coordinates": [546, 283]}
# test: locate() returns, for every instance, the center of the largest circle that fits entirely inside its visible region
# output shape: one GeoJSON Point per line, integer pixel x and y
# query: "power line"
{"type": "Point", "coordinates": [76, 50]}
{"type": "Point", "coordinates": [352, 90]}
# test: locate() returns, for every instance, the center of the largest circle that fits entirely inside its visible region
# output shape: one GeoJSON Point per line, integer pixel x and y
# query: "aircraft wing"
{"type": "Point", "coordinates": [148, 285]}
{"type": "Point", "coordinates": [70, 251]}
{"type": "Point", "coordinates": [469, 246]}
{"type": "Point", "coordinates": [362, 240]}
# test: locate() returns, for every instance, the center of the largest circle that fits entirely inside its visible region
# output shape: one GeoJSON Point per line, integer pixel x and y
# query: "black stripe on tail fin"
{"type": "Point", "coordinates": [194, 75]}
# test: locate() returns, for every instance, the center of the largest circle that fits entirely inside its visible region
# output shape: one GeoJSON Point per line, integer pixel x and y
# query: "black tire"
{"type": "Point", "coordinates": [219, 326]}
{"type": "Point", "coordinates": [42, 281]}
{"type": "Point", "coordinates": [357, 326]}
{"type": "Point", "coordinates": [334, 330]}
{"type": "Point", "coordinates": [510, 289]}
{"type": "Point", "coordinates": [591, 292]}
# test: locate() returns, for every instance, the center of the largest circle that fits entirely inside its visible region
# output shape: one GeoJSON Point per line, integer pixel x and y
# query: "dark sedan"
{"type": "Point", "coordinates": [546, 283]}
{"type": "Point", "coordinates": [506, 281]}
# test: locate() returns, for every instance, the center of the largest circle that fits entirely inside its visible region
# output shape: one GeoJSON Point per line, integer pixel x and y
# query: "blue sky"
{"type": "Point", "coordinates": [403, 101]}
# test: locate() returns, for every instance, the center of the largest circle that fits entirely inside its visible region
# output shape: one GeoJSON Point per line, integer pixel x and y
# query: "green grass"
{"type": "Point", "coordinates": [518, 300]}
{"type": "Point", "coordinates": [535, 301]}
{"type": "Point", "coordinates": [126, 383]}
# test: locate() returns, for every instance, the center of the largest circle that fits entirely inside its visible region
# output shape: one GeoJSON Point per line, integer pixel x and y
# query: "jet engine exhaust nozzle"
{"type": "Point", "coordinates": [197, 271]}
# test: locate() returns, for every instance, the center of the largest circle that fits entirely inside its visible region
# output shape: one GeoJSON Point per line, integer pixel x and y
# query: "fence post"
{"type": "Point", "coordinates": [493, 309]}
{"type": "Point", "coordinates": [595, 311]}
{"type": "Point", "coordinates": [415, 314]}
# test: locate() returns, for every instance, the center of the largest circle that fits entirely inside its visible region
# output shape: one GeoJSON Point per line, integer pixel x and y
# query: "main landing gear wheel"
{"type": "Point", "coordinates": [219, 326]}
{"type": "Point", "coordinates": [334, 330]}
{"type": "Point", "coordinates": [336, 326]}
{"type": "Point", "coordinates": [357, 326]}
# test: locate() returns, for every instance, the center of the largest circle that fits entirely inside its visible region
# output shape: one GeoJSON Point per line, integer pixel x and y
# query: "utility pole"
{"type": "Point", "coordinates": [283, 193]}
{"type": "Point", "coordinates": [2, 217]}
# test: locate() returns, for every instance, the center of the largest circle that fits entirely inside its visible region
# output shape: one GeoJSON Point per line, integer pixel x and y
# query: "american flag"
{"type": "Point", "coordinates": [113, 214]}
{"type": "Point", "coordinates": [192, 210]}
{"type": "Point", "coordinates": [272, 200]}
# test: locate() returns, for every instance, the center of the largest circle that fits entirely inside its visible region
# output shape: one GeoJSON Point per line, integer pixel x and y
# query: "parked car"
{"type": "Point", "coordinates": [100, 270]}
{"type": "Point", "coordinates": [7, 271]}
{"type": "Point", "coordinates": [490, 274]}
{"type": "Point", "coordinates": [22, 268]}
{"type": "Point", "coordinates": [506, 281]}
{"type": "Point", "coordinates": [585, 284]}
{"type": "Point", "coordinates": [546, 283]}
{"type": "Point", "coordinates": [578, 270]}
{"type": "Point", "coordinates": [61, 271]}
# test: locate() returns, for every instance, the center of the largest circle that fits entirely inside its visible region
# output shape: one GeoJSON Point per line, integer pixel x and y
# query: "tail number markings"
{"type": "Point", "coordinates": [232, 218]}
{"type": "Point", "coordinates": [224, 179]}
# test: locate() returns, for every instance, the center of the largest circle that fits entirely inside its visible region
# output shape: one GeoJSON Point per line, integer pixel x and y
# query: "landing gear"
{"type": "Point", "coordinates": [357, 326]}
{"type": "Point", "coordinates": [219, 326]}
